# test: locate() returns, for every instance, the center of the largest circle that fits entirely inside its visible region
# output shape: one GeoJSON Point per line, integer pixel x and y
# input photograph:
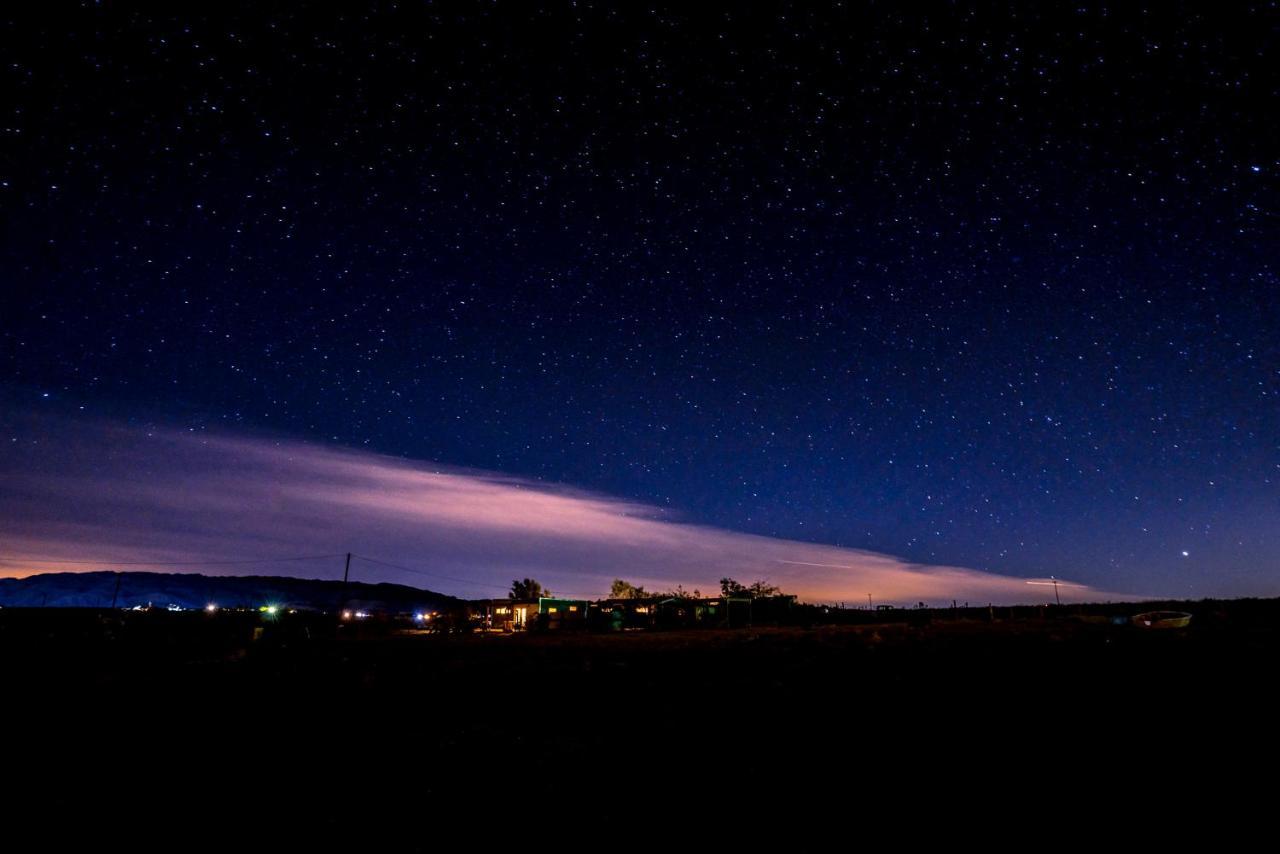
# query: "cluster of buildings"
{"type": "Point", "coordinates": [626, 614]}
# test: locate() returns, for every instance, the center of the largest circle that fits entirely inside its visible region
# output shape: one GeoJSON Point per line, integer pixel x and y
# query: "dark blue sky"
{"type": "Point", "coordinates": [990, 288]}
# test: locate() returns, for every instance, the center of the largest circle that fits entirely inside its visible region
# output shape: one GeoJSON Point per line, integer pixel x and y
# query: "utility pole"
{"type": "Point", "coordinates": [119, 575]}
{"type": "Point", "coordinates": [342, 596]}
{"type": "Point", "coordinates": [869, 606]}
{"type": "Point", "coordinates": [1055, 591]}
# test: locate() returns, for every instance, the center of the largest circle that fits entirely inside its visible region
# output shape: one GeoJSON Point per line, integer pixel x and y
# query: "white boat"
{"type": "Point", "coordinates": [1162, 620]}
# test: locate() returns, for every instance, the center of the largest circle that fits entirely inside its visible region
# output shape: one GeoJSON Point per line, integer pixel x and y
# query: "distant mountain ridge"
{"type": "Point", "coordinates": [192, 591]}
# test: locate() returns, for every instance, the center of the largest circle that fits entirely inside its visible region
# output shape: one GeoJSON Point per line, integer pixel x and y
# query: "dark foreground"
{"type": "Point", "coordinates": [162, 723]}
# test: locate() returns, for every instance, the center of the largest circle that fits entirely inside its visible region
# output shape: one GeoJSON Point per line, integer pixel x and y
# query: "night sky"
{"type": "Point", "coordinates": [988, 286]}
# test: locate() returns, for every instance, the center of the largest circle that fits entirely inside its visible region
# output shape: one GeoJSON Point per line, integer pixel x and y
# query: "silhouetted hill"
{"type": "Point", "coordinates": [95, 590]}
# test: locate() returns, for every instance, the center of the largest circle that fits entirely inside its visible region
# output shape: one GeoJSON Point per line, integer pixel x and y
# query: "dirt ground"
{"type": "Point", "coordinates": [174, 721]}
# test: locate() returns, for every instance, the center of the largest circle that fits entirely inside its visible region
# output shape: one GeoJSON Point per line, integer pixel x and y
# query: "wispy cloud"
{"type": "Point", "coordinates": [95, 491]}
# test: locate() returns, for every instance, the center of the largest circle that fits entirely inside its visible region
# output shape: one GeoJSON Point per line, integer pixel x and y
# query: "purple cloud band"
{"type": "Point", "coordinates": [97, 491]}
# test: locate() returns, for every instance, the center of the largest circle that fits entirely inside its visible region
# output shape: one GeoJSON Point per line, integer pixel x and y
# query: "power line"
{"type": "Point", "coordinates": [430, 574]}
{"type": "Point", "coordinates": [169, 562]}
{"type": "Point", "coordinates": [247, 561]}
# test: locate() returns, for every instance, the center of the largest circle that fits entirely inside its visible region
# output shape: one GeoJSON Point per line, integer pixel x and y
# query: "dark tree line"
{"type": "Point", "coordinates": [621, 589]}
{"type": "Point", "coordinates": [529, 588]}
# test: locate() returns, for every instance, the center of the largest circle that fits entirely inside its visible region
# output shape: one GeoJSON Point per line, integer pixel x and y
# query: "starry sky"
{"type": "Point", "coordinates": [989, 286]}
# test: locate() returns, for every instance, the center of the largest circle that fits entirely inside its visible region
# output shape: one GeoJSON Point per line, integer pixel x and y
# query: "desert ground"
{"type": "Point", "coordinates": [157, 720]}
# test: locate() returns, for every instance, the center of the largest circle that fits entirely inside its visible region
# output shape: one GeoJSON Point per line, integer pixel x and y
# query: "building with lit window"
{"type": "Point", "coordinates": [503, 614]}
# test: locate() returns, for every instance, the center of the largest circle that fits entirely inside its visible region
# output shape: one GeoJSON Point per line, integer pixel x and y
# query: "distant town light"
{"type": "Point", "coordinates": [210, 608]}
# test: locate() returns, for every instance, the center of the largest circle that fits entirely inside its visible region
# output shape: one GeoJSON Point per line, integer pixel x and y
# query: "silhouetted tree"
{"type": "Point", "coordinates": [527, 588]}
{"type": "Point", "coordinates": [729, 587]}
{"type": "Point", "coordinates": [757, 590]}
{"type": "Point", "coordinates": [626, 590]}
